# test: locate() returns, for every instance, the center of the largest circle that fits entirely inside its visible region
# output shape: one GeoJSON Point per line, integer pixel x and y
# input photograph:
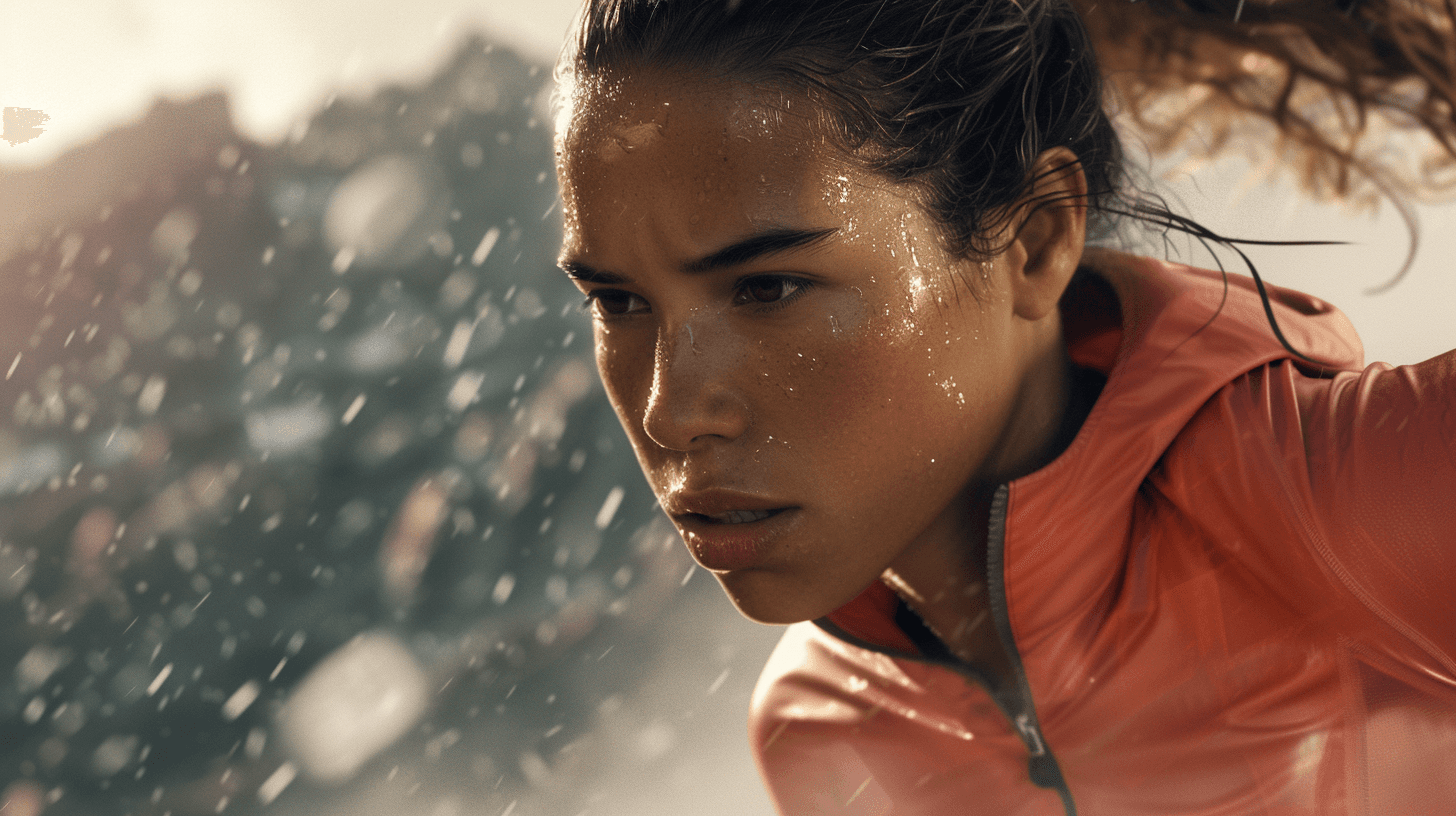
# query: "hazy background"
{"type": "Point", "coordinates": [368, 460]}
{"type": "Point", "coordinates": [94, 65]}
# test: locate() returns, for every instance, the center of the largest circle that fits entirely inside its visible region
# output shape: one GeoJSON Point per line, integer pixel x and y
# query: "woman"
{"type": "Point", "coordinates": [1061, 530]}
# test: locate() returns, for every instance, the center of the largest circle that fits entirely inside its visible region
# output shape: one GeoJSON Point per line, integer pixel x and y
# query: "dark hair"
{"type": "Point", "coordinates": [957, 98]}
{"type": "Point", "coordinates": [1320, 86]}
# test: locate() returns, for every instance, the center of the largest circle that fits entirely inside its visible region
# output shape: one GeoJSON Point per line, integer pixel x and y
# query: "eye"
{"type": "Point", "coordinates": [769, 290]}
{"type": "Point", "coordinates": [614, 302]}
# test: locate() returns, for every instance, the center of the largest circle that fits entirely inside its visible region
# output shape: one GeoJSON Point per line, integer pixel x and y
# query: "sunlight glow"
{"type": "Point", "coordinates": [91, 65]}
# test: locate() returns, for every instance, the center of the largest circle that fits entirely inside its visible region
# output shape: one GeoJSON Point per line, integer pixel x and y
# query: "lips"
{"type": "Point", "coordinates": [728, 530]}
{"type": "Point", "coordinates": [722, 504]}
{"type": "Point", "coordinates": [740, 516]}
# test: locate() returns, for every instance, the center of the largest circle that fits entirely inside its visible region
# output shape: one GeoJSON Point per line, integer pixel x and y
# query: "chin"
{"type": "Point", "coordinates": [773, 599]}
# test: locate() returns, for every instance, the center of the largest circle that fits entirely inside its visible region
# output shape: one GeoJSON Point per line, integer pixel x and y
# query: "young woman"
{"type": "Point", "coordinates": [1060, 529]}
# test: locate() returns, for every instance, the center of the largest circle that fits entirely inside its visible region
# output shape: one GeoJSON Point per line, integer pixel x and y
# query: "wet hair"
{"type": "Point", "coordinates": [1318, 90]}
{"type": "Point", "coordinates": [955, 98]}
{"type": "Point", "coordinates": [1322, 86]}
{"type": "Point", "coordinates": [960, 97]}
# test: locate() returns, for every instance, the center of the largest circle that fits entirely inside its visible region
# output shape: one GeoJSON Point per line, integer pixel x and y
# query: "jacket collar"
{"type": "Point", "coordinates": [1167, 337]}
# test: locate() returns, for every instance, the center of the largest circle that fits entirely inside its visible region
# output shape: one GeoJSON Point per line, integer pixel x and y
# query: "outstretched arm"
{"type": "Point", "coordinates": [1381, 458]}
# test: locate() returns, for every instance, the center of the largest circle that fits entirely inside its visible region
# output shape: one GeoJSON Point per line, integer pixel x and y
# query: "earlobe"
{"type": "Point", "coordinates": [1051, 234]}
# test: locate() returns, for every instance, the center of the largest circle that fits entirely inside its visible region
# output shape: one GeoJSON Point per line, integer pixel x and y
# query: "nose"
{"type": "Point", "coordinates": [694, 400]}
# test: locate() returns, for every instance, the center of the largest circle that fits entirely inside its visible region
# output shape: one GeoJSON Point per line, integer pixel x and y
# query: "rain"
{"type": "Point", "coordinates": [311, 501]}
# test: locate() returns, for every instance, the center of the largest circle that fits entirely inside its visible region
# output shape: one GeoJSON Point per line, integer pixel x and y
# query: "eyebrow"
{"type": "Point", "coordinates": [749, 249]}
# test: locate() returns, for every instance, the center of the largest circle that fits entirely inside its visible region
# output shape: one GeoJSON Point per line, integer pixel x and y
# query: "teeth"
{"type": "Point", "coordinates": [741, 516]}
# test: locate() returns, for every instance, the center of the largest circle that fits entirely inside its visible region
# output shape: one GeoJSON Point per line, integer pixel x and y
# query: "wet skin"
{"type": "Point", "coordinates": [780, 330]}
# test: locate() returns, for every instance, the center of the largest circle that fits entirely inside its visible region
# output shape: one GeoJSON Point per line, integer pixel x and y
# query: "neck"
{"type": "Point", "coordinates": [1041, 416]}
{"type": "Point", "coordinates": [944, 578]}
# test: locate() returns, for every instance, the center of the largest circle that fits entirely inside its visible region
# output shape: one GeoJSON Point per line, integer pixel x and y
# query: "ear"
{"type": "Point", "coordinates": [1050, 235]}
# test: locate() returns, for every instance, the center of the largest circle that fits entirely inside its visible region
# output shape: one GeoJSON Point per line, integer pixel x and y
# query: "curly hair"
{"type": "Point", "coordinates": [1320, 88]}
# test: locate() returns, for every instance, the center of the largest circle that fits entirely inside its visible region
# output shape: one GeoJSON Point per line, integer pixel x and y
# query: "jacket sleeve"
{"type": "Point", "coordinates": [838, 730]}
{"type": "Point", "coordinates": [1380, 449]}
{"type": "Point", "coordinates": [802, 735]}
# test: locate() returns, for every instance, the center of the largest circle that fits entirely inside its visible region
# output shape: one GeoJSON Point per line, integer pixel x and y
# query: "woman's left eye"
{"type": "Point", "coordinates": [769, 290]}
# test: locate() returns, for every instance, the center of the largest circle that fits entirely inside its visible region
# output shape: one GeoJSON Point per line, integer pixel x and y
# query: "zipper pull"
{"type": "Point", "coordinates": [1030, 735]}
{"type": "Point", "coordinates": [1040, 766]}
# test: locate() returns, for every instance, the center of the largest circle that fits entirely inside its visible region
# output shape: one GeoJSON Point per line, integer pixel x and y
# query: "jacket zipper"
{"type": "Point", "coordinates": [1042, 765]}
{"type": "Point", "coordinates": [1015, 703]}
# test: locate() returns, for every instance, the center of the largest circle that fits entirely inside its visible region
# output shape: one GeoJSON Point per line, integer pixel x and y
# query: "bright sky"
{"type": "Point", "coordinates": [94, 64]}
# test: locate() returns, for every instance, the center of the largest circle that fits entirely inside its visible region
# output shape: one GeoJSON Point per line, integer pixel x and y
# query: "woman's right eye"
{"type": "Point", "coordinates": [614, 302]}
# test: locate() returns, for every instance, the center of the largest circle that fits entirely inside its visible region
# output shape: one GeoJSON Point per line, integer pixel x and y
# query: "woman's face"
{"type": "Point", "coordinates": [811, 384]}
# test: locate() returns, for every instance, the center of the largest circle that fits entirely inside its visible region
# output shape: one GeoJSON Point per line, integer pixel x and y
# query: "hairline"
{"type": "Point", "coordinates": [828, 113]}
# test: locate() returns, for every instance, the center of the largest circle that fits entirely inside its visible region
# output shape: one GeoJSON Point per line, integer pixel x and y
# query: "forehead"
{"type": "Point", "coordinates": [722, 154]}
{"type": "Point", "coordinates": [637, 108]}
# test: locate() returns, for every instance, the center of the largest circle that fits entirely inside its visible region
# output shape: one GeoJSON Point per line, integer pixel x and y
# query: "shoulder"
{"type": "Point", "coordinates": [1334, 489]}
{"type": "Point", "coordinates": [1336, 443]}
{"type": "Point", "coordinates": [813, 676]}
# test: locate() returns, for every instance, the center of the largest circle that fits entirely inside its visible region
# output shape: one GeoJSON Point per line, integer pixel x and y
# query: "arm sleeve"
{"type": "Point", "coordinates": [838, 733]}
{"type": "Point", "coordinates": [801, 734]}
{"type": "Point", "coordinates": [1381, 459]}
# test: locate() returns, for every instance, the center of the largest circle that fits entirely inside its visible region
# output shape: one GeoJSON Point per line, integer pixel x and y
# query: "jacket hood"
{"type": "Point", "coordinates": [1167, 337]}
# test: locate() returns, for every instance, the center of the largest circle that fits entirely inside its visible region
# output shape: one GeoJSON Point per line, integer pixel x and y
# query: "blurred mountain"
{"type": "Point", "coordinates": [82, 181]}
{"type": "Point", "coordinates": [308, 493]}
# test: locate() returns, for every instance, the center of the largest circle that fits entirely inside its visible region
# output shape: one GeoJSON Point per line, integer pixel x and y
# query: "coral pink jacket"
{"type": "Point", "coordinates": [1234, 593]}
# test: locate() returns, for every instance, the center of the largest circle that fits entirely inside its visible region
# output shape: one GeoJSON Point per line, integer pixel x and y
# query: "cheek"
{"type": "Point", "coordinates": [906, 382]}
{"type": "Point", "coordinates": [835, 388]}
{"type": "Point", "coordinates": [626, 370]}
